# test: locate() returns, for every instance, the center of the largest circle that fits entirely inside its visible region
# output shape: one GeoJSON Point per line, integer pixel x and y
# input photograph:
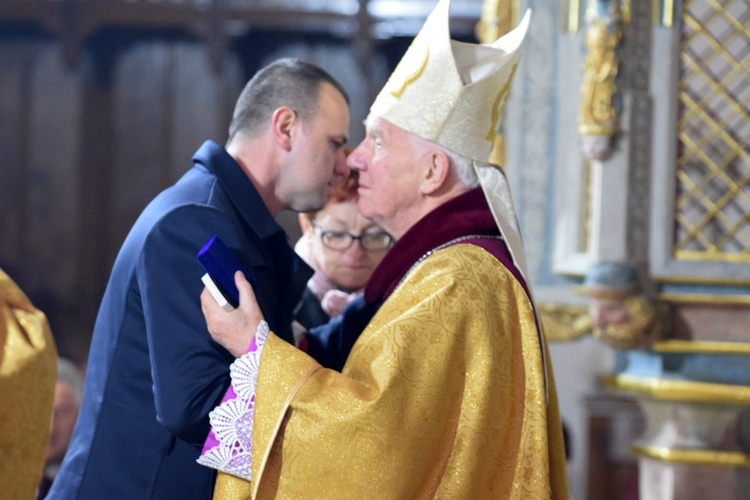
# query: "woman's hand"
{"type": "Point", "coordinates": [235, 329]}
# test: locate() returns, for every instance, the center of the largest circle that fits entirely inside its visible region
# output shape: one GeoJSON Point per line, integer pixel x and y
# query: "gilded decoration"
{"type": "Point", "coordinates": [693, 457]}
{"type": "Point", "coordinates": [498, 17]}
{"type": "Point", "coordinates": [625, 323]}
{"type": "Point", "coordinates": [600, 95]}
{"type": "Point", "coordinates": [702, 347]}
{"type": "Point", "coordinates": [564, 322]}
{"type": "Point", "coordinates": [619, 313]}
{"type": "Point", "coordinates": [712, 171]}
{"type": "Point", "coordinates": [680, 390]}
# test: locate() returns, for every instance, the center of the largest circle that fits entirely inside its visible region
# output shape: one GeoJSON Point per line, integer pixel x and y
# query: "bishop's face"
{"type": "Point", "coordinates": [388, 161]}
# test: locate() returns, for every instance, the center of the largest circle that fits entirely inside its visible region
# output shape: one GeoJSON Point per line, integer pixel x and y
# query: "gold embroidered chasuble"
{"type": "Point", "coordinates": [442, 396]}
{"type": "Point", "coordinates": [28, 360]}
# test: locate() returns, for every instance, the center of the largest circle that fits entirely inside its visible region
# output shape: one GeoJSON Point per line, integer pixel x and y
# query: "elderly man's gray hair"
{"type": "Point", "coordinates": [464, 168]}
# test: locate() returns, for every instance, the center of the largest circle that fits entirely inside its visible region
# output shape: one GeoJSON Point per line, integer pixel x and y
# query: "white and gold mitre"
{"type": "Point", "coordinates": [450, 92]}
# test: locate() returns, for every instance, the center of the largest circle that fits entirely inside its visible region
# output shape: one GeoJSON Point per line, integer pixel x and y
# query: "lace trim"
{"type": "Point", "coordinates": [232, 420]}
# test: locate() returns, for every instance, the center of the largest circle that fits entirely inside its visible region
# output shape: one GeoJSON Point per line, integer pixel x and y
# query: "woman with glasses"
{"type": "Point", "coordinates": [343, 248]}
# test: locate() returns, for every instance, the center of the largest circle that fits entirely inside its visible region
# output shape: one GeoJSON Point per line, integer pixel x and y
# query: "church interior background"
{"type": "Point", "coordinates": [626, 140]}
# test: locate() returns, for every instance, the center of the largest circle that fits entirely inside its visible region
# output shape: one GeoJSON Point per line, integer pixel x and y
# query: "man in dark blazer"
{"type": "Point", "coordinates": [154, 372]}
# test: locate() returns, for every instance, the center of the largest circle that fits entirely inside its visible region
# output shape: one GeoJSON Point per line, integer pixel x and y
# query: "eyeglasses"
{"type": "Point", "coordinates": [341, 240]}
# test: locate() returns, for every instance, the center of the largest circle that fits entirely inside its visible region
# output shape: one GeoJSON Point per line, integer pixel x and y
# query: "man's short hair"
{"type": "Point", "coordinates": [461, 165]}
{"type": "Point", "coordinates": [285, 82]}
{"type": "Point", "coordinates": [68, 373]}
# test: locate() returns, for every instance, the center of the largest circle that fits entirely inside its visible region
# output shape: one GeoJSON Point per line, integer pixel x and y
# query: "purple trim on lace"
{"type": "Point", "coordinates": [228, 447]}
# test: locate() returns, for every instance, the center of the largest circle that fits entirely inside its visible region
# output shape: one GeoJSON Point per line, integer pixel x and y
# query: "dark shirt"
{"type": "Point", "coordinates": [309, 313]}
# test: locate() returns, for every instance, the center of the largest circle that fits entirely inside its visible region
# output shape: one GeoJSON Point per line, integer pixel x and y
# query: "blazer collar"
{"type": "Point", "coordinates": [239, 188]}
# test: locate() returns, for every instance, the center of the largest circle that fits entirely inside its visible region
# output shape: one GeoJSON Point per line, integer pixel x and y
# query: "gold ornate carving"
{"type": "Point", "coordinates": [693, 457]}
{"type": "Point", "coordinates": [571, 15]}
{"type": "Point", "coordinates": [498, 17]}
{"type": "Point", "coordinates": [598, 121]}
{"type": "Point", "coordinates": [702, 347]}
{"type": "Point", "coordinates": [640, 329]}
{"type": "Point", "coordinates": [712, 162]}
{"type": "Point", "coordinates": [738, 300]}
{"type": "Point", "coordinates": [564, 322]}
{"type": "Point", "coordinates": [641, 325]}
{"type": "Point", "coordinates": [667, 18]}
{"type": "Point", "coordinates": [680, 390]}
{"type": "Point", "coordinates": [600, 69]}
{"type": "Point", "coordinates": [702, 280]}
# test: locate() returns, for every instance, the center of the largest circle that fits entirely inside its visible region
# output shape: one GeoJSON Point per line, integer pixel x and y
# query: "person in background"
{"type": "Point", "coordinates": [68, 395]}
{"type": "Point", "coordinates": [448, 392]}
{"type": "Point", "coordinates": [154, 373]}
{"type": "Point", "coordinates": [27, 383]}
{"type": "Point", "coordinates": [343, 248]}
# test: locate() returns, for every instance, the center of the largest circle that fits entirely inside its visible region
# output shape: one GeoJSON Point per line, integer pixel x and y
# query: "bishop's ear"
{"type": "Point", "coordinates": [436, 171]}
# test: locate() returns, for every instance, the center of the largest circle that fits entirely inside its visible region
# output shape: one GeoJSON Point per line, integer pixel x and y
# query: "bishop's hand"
{"type": "Point", "coordinates": [235, 329]}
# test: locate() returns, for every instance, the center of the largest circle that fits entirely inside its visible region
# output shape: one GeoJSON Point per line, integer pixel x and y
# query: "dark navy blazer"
{"type": "Point", "coordinates": [330, 343]}
{"type": "Point", "coordinates": [154, 373]}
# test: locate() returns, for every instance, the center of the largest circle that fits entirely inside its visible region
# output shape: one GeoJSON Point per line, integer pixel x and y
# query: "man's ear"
{"type": "Point", "coordinates": [283, 123]}
{"type": "Point", "coordinates": [304, 222]}
{"type": "Point", "coordinates": [436, 170]}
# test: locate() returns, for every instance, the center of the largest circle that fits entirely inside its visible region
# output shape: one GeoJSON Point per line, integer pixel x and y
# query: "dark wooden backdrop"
{"type": "Point", "coordinates": [103, 102]}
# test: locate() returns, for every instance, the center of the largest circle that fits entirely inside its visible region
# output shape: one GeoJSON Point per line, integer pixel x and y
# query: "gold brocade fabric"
{"type": "Point", "coordinates": [442, 396]}
{"type": "Point", "coordinates": [28, 360]}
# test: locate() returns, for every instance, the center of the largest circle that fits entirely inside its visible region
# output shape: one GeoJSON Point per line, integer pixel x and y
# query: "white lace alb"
{"type": "Point", "coordinates": [232, 420]}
